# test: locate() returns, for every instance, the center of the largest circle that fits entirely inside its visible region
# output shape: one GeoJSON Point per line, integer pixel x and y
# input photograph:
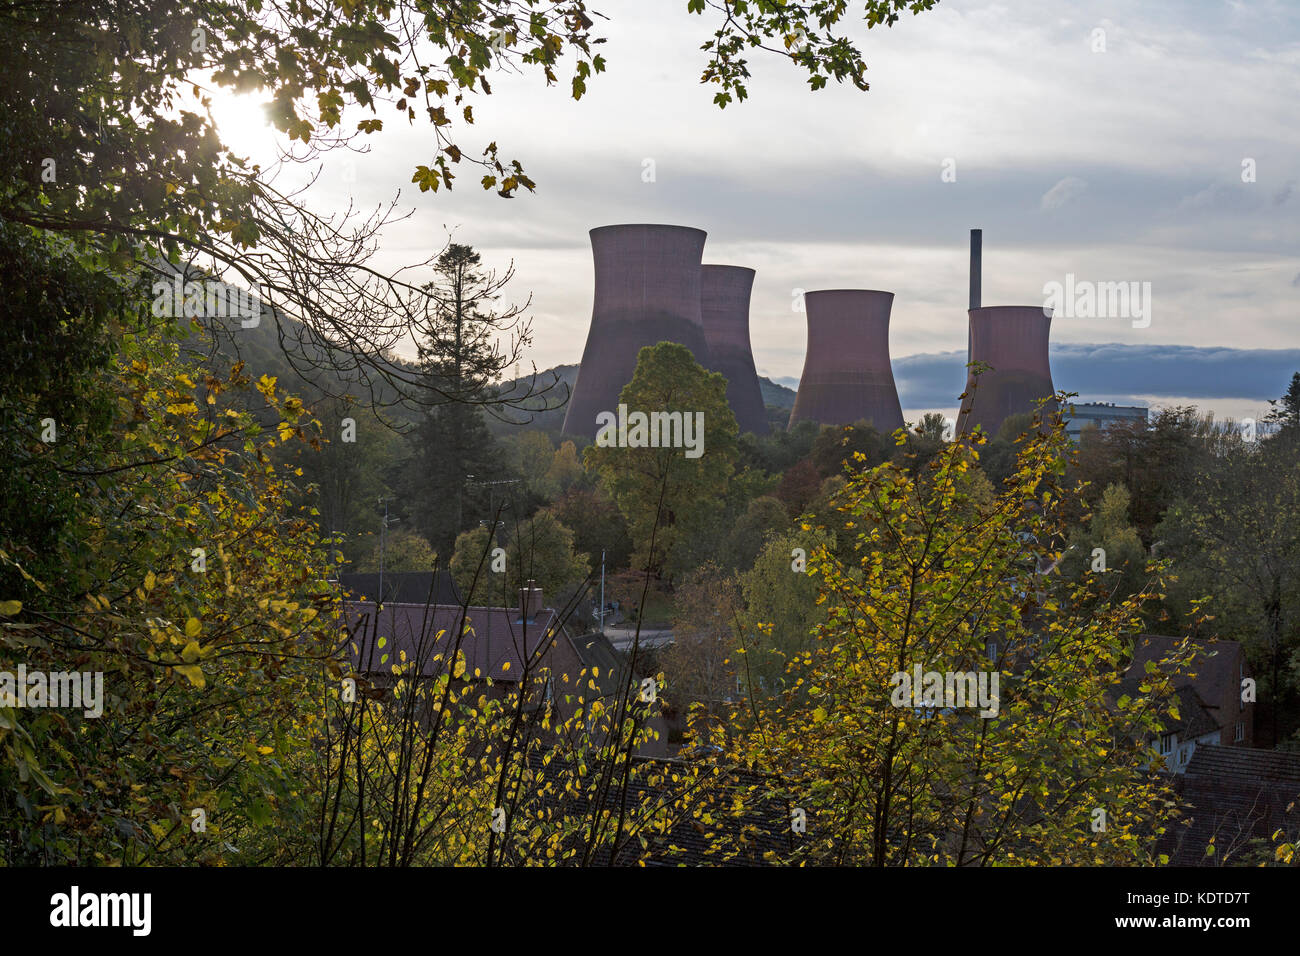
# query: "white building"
{"type": "Point", "coordinates": [1079, 415]}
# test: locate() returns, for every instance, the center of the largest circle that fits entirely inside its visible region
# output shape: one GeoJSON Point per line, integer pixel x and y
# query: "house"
{"type": "Point", "coordinates": [497, 644]}
{"type": "Point", "coordinates": [1234, 799]}
{"type": "Point", "coordinates": [1210, 706]}
{"type": "Point", "coordinates": [500, 647]}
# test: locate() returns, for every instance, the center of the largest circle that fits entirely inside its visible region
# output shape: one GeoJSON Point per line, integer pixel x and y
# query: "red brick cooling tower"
{"type": "Point", "coordinates": [846, 371]}
{"type": "Point", "coordinates": [724, 307]}
{"type": "Point", "coordinates": [1012, 341]}
{"type": "Point", "coordinates": [647, 291]}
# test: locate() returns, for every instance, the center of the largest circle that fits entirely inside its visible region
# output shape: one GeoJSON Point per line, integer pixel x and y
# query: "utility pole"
{"type": "Point", "coordinates": [470, 482]}
{"type": "Point", "coordinates": [602, 590]}
{"type": "Point", "coordinates": [383, 534]}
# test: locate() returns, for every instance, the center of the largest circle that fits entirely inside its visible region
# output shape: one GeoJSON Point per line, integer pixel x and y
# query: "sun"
{"type": "Point", "coordinates": [241, 122]}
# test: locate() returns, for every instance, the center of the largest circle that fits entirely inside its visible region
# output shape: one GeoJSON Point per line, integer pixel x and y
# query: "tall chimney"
{"type": "Point", "coordinates": [976, 278]}
{"type": "Point", "coordinates": [530, 600]}
{"type": "Point", "coordinates": [846, 372]}
{"type": "Point", "coordinates": [647, 291]}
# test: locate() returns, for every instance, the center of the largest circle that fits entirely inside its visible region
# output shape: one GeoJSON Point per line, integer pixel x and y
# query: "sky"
{"type": "Point", "coordinates": [1124, 164]}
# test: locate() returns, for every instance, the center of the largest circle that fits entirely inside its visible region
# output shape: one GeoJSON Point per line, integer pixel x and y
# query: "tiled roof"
{"type": "Point", "coordinates": [1194, 720]}
{"type": "Point", "coordinates": [1246, 765]}
{"type": "Point", "coordinates": [598, 655]}
{"type": "Point", "coordinates": [1214, 666]}
{"type": "Point", "coordinates": [495, 641]}
{"type": "Point", "coordinates": [1238, 797]}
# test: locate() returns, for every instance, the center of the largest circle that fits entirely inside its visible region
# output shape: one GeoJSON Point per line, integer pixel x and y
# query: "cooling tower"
{"type": "Point", "coordinates": [1012, 340]}
{"type": "Point", "coordinates": [724, 307]}
{"type": "Point", "coordinates": [846, 372]}
{"type": "Point", "coordinates": [647, 292]}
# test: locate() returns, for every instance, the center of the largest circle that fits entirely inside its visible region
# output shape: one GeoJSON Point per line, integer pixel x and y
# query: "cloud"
{"type": "Point", "coordinates": [1067, 190]}
{"type": "Point", "coordinates": [843, 189]}
{"type": "Point", "coordinates": [1111, 371]}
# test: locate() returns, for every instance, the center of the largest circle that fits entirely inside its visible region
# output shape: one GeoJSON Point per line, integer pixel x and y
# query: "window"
{"type": "Point", "coordinates": [1241, 732]}
{"type": "Point", "coordinates": [1166, 743]}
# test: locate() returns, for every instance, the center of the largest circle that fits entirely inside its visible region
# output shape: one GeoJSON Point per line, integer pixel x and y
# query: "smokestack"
{"type": "Point", "coordinates": [647, 291]}
{"type": "Point", "coordinates": [724, 308]}
{"type": "Point", "coordinates": [1012, 340]}
{"type": "Point", "coordinates": [976, 278]}
{"type": "Point", "coordinates": [846, 371]}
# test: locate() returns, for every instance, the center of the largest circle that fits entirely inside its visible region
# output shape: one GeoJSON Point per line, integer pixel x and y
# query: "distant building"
{"type": "Point", "coordinates": [500, 647]}
{"type": "Point", "coordinates": [1080, 415]}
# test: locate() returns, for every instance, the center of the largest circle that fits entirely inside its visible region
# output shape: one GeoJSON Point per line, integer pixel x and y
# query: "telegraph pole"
{"type": "Point", "coordinates": [602, 590]}
{"type": "Point", "coordinates": [383, 534]}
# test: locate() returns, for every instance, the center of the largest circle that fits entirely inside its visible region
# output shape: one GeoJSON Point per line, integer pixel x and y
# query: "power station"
{"type": "Point", "coordinates": [651, 287]}
{"type": "Point", "coordinates": [724, 307]}
{"type": "Point", "coordinates": [846, 373]}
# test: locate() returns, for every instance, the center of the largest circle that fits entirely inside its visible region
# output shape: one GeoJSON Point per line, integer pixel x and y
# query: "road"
{"type": "Point", "coordinates": [622, 637]}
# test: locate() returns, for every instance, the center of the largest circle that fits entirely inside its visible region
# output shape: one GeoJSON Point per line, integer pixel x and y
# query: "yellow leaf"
{"type": "Point", "coordinates": [149, 580]}
{"type": "Point", "coordinates": [10, 608]}
{"type": "Point", "coordinates": [192, 627]}
{"type": "Point", "coordinates": [191, 652]}
{"type": "Point", "coordinates": [191, 671]}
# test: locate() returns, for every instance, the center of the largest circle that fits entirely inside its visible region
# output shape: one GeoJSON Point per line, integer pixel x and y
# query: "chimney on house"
{"type": "Point", "coordinates": [530, 600]}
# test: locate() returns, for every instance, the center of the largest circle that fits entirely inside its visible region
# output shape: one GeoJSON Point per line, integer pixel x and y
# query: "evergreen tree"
{"type": "Point", "coordinates": [460, 356]}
